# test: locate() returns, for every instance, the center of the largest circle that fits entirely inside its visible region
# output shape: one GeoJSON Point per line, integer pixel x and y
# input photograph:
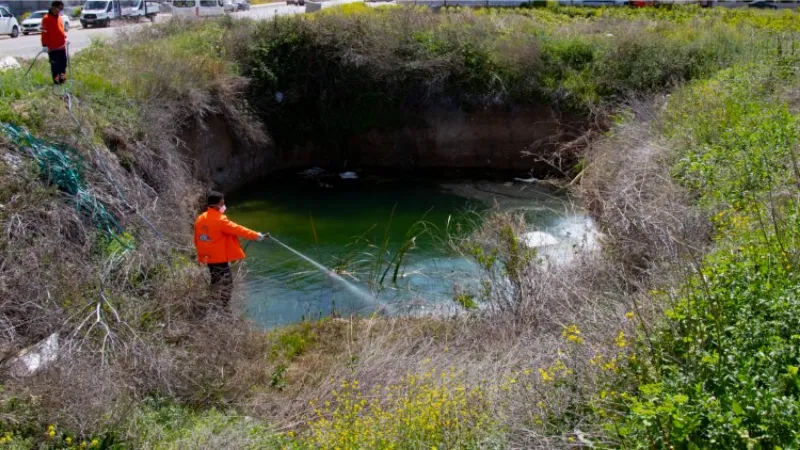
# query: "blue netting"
{"type": "Point", "coordinates": [61, 166]}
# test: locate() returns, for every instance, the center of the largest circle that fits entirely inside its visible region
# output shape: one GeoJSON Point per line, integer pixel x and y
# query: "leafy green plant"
{"type": "Point", "coordinates": [278, 377]}
{"type": "Point", "coordinates": [722, 371]}
{"type": "Point", "coordinates": [293, 341]}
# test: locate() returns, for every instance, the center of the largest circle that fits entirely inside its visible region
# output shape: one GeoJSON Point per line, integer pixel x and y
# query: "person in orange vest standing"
{"type": "Point", "coordinates": [216, 239]}
{"type": "Point", "coordinates": [54, 42]}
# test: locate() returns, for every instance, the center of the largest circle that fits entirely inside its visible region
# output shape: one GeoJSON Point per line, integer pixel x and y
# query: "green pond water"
{"type": "Point", "coordinates": [358, 226]}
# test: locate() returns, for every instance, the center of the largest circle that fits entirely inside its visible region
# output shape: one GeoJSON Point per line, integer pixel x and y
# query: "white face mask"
{"type": "Point", "coordinates": [222, 209]}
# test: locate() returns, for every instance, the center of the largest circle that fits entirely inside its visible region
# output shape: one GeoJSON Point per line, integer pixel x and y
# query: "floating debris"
{"type": "Point", "coordinates": [539, 239]}
{"type": "Point", "coordinates": [312, 172]}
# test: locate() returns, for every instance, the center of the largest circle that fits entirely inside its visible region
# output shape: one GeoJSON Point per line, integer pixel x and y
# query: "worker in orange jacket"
{"type": "Point", "coordinates": [54, 42]}
{"type": "Point", "coordinates": [217, 241]}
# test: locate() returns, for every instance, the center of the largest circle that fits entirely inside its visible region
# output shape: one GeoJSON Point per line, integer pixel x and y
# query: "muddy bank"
{"type": "Point", "coordinates": [445, 140]}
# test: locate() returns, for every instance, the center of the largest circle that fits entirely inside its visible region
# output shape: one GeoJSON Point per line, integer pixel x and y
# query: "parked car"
{"type": "Point", "coordinates": [296, 2]}
{"type": "Point", "coordinates": [762, 4]}
{"type": "Point", "coordinates": [242, 5]}
{"type": "Point", "coordinates": [236, 5]}
{"type": "Point", "coordinates": [33, 24]}
{"type": "Point", "coordinates": [8, 23]}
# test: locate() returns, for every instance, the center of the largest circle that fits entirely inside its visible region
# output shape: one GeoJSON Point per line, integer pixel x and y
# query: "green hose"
{"type": "Point", "coordinates": [34, 62]}
{"type": "Point", "coordinates": [60, 165]}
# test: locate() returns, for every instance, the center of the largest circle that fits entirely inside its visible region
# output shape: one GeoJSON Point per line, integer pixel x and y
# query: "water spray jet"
{"type": "Point", "coordinates": [368, 298]}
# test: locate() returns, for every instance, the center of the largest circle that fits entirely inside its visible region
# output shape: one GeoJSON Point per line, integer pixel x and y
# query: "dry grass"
{"type": "Point", "coordinates": [125, 306]}
{"type": "Point", "coordinates": [627, 186]}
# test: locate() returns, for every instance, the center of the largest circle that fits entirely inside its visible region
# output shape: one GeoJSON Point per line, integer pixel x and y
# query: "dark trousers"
{"type": "Point", "coordinates": [58, 65]}
{"type": "Point", "coordinates": [221, 285]}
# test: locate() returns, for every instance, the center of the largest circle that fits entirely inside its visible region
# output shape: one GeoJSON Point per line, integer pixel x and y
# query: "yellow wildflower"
{"type": "Point", "coordinates": [620, 340]}
{"type": "Point", "coordinates": [572, 333]}
{"type": "Point", "coordinates": [68, 440]}
{"type": "Point", "coordinates": [629, 315]}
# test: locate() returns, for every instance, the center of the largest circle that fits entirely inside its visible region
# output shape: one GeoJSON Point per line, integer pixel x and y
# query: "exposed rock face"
{"type": "Point", "coordinates": [218, 157]}
{"type": "Point", "coordinates": [503, 139]}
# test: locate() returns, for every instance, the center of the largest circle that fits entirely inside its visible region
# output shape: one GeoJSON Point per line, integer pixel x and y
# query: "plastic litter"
{"type": "Point", "coordinates": [8, 63]}
{"type": "Point", "coordinates": [539, 239]}
{"type": "Point", "coordinates": [36, 357]}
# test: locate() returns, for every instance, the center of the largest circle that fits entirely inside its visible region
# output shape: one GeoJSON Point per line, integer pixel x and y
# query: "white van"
{"type": "Point", "coordinates": [100, 13]}
{"type": "Point", "coordinates": [198, 8]}
{"type": "Point", "coordinates": [139, 9]}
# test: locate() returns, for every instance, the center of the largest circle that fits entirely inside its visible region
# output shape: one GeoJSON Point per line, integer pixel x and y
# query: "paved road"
{"type": "Point", "coordinates": [29, 46]}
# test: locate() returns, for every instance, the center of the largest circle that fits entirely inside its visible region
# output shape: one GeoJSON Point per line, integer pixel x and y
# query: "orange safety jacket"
{"type": "Point", "coordinates": [53, 35]}
{"type": "Point", "coordinates": [217, 238]}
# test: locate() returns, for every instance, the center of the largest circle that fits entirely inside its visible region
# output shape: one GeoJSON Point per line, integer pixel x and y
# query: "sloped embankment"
{"type": "Point", "coordinates": [153, 126]}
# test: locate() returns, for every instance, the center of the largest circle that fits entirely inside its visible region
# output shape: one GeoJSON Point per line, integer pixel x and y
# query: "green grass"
{"type": "Point", "coordinates": [167, 426]}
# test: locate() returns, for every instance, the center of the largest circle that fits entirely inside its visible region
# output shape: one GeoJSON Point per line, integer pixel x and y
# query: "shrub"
{"type": "Point", "coordinates": [353, 69]}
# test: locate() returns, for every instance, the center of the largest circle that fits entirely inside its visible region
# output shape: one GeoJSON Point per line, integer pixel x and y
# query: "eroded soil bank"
{"type": "Point", "coordinates": [445, 140]}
